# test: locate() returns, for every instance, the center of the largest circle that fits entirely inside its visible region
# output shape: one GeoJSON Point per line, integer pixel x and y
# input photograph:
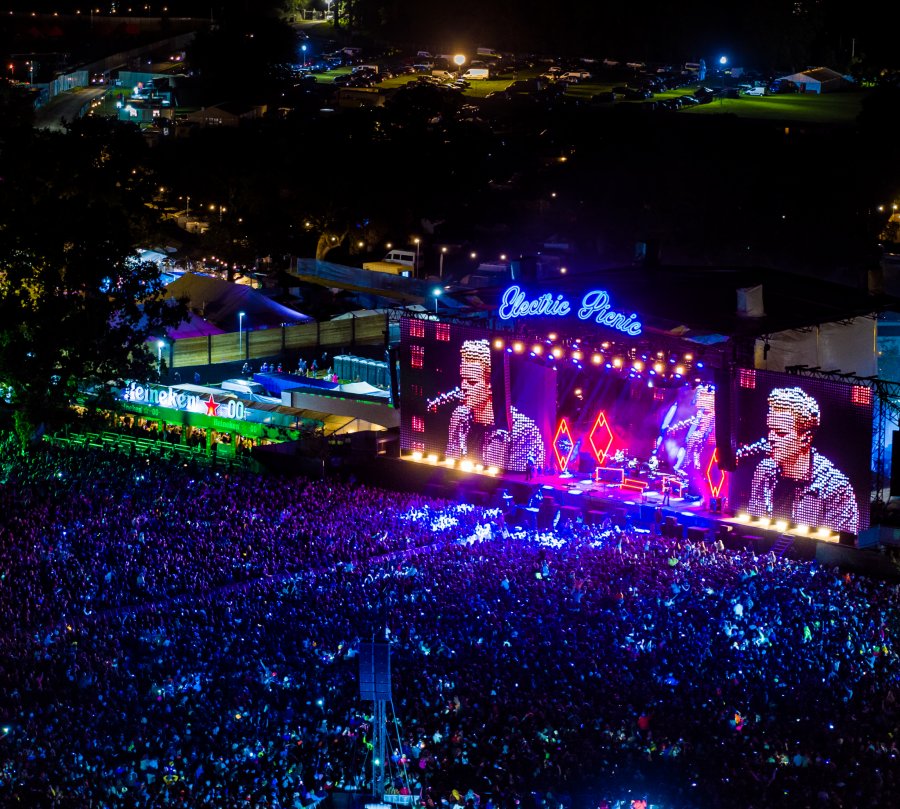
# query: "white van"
{"type": "Point", "coordinates": [407, 257]}
{"type": "Point", "coordinates": [477, 74]}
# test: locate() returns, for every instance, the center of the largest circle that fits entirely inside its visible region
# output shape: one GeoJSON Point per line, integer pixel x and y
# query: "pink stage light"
{"type": "Point", "coordinates": [718, 475]}
{"type": "Point", "coordinates": [563, 431]}
{"type": "Point", "coordinates": [601, 438]}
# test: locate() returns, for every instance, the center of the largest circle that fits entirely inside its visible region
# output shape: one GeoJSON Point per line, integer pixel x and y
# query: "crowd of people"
{"type": "Point", "coordinates": [176, 635]}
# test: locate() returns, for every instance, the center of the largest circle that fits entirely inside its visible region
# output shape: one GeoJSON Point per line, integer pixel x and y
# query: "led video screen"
{"type": "Point", "coordinates": [465, 397]}
{"type": "Point", "coordinates": [803, 450]}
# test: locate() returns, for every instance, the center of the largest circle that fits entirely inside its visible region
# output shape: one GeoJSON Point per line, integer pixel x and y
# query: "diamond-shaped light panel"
{"type": "Point", "coordinates": [601, 438]}
{"type": "Point", "coordinates": [715, 477]}
{"type": "Point", "coordinates": [563, 445]}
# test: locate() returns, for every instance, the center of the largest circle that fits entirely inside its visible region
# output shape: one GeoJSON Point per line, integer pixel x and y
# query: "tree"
{"type": "Point", "coordinates": [76, 306]}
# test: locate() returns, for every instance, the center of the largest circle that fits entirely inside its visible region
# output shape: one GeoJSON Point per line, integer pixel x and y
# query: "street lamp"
{"type": "Point", "coordinates": [159, 347]}
{"type": "Point", "coordinates": [459, 60]}
{"type": "Point", "coordinates": [437, 294]}
{"type": "Point", "coordinates": [303, 48]}
{"type": "Point", "coordinates": [723, 60]}
{"type": "Point", "coordinates": [441, 268]}
{"type": "Point", "coordinates": [417, 241]}
{"type": "Point", "coordinates": [241, 333]}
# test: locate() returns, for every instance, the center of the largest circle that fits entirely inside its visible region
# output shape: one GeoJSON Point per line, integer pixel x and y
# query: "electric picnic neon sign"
{"type": "Point", "coordinates": [595, 305]}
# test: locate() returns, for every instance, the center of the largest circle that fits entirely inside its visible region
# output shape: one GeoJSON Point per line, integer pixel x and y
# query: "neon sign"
{"type": "Point", "coordinates": [181, 400]}
{"type": "Point", "coordinates": [595, 305]}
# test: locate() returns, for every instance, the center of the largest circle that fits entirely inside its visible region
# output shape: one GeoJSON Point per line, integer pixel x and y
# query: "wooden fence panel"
{"type": "Point", "coordinates": [225, 347]}
{"type": "Point", "coordinates": [189, 351]}
{"type": "Point", "coordinates": [302, 336]}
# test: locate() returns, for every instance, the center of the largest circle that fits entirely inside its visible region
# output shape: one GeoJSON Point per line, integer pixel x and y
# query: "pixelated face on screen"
{"type": "Point", "coordinates": [475, 379]}
{"type": "Point", "coordinates": [804, 450]}
{"type": "Point", "coordinates": [791, 420]}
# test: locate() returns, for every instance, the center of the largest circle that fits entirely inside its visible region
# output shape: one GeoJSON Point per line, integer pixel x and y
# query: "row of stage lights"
{"type": "Point", "coordinates": [465, 465]}
{"type": "Point", "coordinates": [662, 364]}
{"type": "Point", "coordinates": [783, 526]}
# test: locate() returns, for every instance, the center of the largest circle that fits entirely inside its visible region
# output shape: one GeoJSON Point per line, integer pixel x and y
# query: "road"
{"type": "Point", "coordinates": [66, 106]}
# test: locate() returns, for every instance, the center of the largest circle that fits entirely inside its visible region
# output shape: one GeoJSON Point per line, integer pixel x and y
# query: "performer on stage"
{"type": "Point", "coordinates": [699, 431]}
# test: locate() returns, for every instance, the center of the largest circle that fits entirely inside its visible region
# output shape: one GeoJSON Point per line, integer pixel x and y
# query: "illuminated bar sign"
{"type": "Point", "coordinates": [595, 305]}
{"type": "Point", "coordinates": [181, 400]}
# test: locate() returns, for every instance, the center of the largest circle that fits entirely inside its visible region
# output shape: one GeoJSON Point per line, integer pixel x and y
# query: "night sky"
{"type": "Point", "coordinates": [768, 34]}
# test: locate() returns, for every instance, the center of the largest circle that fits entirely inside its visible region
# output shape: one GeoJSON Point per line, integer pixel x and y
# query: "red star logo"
{"type": "Point", "coordinates": [211, 406]}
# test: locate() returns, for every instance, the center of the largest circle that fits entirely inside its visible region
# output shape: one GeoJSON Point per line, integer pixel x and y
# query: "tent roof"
{"type": "Point", "coordinates": [194, 326]}
{"type": "Point", "coordinates": [219, 303]}
{"type": "Point", "coordinates": [823, 75]}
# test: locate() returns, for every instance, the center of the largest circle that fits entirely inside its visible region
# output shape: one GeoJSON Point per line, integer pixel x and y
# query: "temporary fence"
{"type": "Point", "coordinates": [245, 345]}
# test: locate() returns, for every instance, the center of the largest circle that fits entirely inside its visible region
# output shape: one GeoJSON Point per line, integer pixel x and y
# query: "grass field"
{"type": "Point", "coordinates": [832, 108]}
{"type": "Point", "coordinates": [835, 108]}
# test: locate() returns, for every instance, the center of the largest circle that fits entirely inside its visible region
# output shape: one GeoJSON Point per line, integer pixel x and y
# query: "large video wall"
{"type": "Point", "coordinates": [466, 397]}
{"type": "Point", "coordinates": [620, 420]}
{"type": "Point", "coordinates": [803, 450]}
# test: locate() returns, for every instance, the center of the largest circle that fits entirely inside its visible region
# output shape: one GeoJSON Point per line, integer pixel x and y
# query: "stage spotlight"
{"type": "Point", "coordinates": [552, 335]}
{"type": "Point", "coordinates": [451, 462]}
{"type": "Point", "coordinates": [801, 529]}
{"type": "Point", "coordinates": [604, 346]}
{"type": "Point", "coordinates": [479, 467]}
{"type": "Point", "coordinates": [688, 357]}
{"type": "Point", "coordinates": [597, 359]}
{"type": "Point", "coordinates": [638, 365]}
{"type": "Point", "coordinates": [557, 352]}
{"type": "Point", "coordinates": [743, 517]}
{"type": "Point", "coordinates": [658, 367]}
{"type": "Point", "coordinates": [765, 522]}
{"type": "Point", "coordinates": [518, 347]}
{"type": "Point", "coordinates": [432, 458]}
{"type": "Point", "coordinates": [492, 470]}
{"type": "Point", "coordinates": [537, 348]}
{"type": "Point", "coordinates": [679, 370]}
{"type": "Point", "coordinates": [466, 465]}
{"type": "Point", "coordinates": [781, 525]}
{"type": "Point", "coordinates": [417, 455]}
{"type": "Point", "coordinates": [823, 532]}
{"type": "Point", "coordinates": [617, 362]}
{"type": "Point", "coordinates": [577, 355]}
{"type": "Point", "coordinates": [498, 343]}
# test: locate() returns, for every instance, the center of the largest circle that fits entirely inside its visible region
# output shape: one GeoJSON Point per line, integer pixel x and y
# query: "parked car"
{"type": "Point", "coordinates": [575, 76]}
{"type": "Point", "coordinates": [755, 91]}
{"type": "Point", "coordinates": [780, 86]}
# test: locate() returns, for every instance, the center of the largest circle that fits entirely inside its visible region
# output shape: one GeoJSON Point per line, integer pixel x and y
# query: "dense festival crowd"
{"type": "Point", "coordinates": [175, 636]}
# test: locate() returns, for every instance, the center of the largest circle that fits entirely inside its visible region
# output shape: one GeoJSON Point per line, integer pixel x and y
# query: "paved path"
{"type": "Point", "coordinates": [66, 106]}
